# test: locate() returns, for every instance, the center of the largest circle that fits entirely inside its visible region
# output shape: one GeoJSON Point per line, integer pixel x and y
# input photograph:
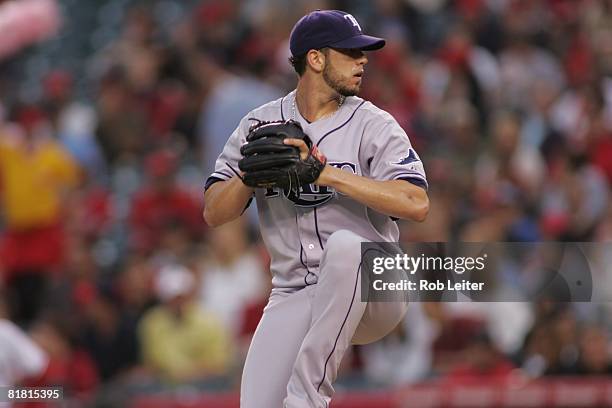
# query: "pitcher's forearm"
{"type": "Point", "coordinates": [397, 198]}
{"type": "Point", "coordinates": [225, 201]}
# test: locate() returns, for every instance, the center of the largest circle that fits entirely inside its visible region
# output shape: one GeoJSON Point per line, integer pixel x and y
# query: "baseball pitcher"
{"type": "Point", "coordinates": [328, 171]}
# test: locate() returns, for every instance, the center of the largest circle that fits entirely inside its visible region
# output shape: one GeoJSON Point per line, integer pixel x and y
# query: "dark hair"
{"type": "Point", "coordinates": [299, 63]}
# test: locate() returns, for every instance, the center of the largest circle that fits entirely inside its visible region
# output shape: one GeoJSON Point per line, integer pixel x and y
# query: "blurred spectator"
{"type": "Point", "coordinates": [134, 287]}
{"type": "Point", "coordinates": [604, 229]}
{"type": "Point", "coordinates": [476, 67]}
{"type": "Point", "coordinates": [506, 323]}
{"type": "Point", "coordinates": [73, 121]}
{"type": "Point", "coordinates": [551, 347]}
{"type": "Point", "coordinates": [180, 341]}
{"type": "Point", "coordinates": [109, 336]}
{"type": "Point", "coordinates": [578, 114]}
{"type": "Point", "coordinates": [573, 199]}
{"type": "Point", "coordinates": [594, 353]}
{"type": "Point", "coordinates": [601, 154]}
{"type": "Point", "coordinates": [405, 355]}
{"type": "Point", "coordinates": [483, 362]}
{"type": "Point", "coordinates": [93, 211]}
{"type": "Point", "coordinates": [109, 315]}
{"type": "Point", "coordinates": [539, 351]}
{"type": "Point", "coordinates": [537, 124]}
{"type": "Point", "coordinates": [138, 34]}
{"type": "Point", "coordinates": [523, 64]}
{"type": "Point", "coordinates": [253, 309]}
{"type": "Point", "coordinates": [69, 366]}
{"type": "Point", "coordinates": [20, 357]}
{"type": "Point", "coordinates": [453, 337]}
{"type": "Point", "coordinates": [233, 275]}
{"type": "Point", "coordinates": [121, 128]}
{"type": "Point", "coordinates": [514, 171]}
{"type": "Point", "coordinates": [566, 333]}
{"type": "Point", "coordinates": [162, 205]}
{"type": "Point", "coordinates": [36, 174]}
{"type": "Point", "coordinates": [229, 99]}
{"type": "Point", "coordinates": [57, 89]}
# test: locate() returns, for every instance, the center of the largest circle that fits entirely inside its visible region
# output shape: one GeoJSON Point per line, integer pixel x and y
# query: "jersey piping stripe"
{"type": "Point", "coordinates": [302, 258]}
{"type": "Point", "coordinates": [305, 266]}
{"type": "Point", "coordinates": [233, 170]}
{"type": "Point", "coordinates": [210, 181]}
{"type": "Point", "coordinates": [409, 173]}
{"type": "Point", "coordinates": [223, 174]}
{"type": "Point", "coordinates": [341, 327]}
{"type": "Point", "coordinates": [317, 228]}
{"type": "Point", "coordinates": [342, 125]}
{"type": "Point", "coordinates": [281, 107]}
{"type": "Point", "coordinates": [414, 178]}
{"type": "Point", "coordinates": [419, 182]}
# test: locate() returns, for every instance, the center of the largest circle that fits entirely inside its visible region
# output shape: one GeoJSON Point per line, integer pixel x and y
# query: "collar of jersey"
{"type": "Point", "coordinates": [341, 115]}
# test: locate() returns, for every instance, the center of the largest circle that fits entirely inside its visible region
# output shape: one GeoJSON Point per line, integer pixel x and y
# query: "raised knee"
{"type": "Point", "coordinates": [344, 240]}
{"type": "Point", "coordinates": [342, 249]}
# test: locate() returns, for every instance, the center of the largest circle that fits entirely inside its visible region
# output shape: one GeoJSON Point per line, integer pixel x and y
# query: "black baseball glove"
{"type": "Point", "coordinates": [268, 162]}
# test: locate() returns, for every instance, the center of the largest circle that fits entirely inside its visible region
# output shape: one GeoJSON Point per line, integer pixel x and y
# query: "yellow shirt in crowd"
{"type": "Point", "coordinates": [33, 178]}
{"type": "Point", "coordinates": [195, 346]}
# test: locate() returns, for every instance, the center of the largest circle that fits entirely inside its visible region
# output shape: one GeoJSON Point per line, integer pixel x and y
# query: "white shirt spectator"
{"type": "Point", "coordinates": [228, 289]}
{"type": "Point", "coordinates": [20, 357]}
{"type": "Point", "coordinates": [394, 360]}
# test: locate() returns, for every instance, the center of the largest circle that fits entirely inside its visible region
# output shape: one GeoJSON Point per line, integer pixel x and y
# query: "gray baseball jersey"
{"type": "Point", "coordinates": [359, 138]}
{"type": "Point", "coordinates": [315, 238]}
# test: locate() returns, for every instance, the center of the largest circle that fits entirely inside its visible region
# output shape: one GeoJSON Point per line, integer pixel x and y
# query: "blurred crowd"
{"type": "Point", "coordinates": [106, 263]}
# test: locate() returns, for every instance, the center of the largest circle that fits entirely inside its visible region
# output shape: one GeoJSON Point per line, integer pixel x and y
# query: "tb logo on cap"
{"type": "Point", "coordinates": [352, 20]}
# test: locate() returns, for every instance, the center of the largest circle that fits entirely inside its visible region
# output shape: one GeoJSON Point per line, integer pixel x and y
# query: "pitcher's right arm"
{"type": "Point", "coordinates": [225, 196]}
{"type": "Point", "coordinates": [225, 201]}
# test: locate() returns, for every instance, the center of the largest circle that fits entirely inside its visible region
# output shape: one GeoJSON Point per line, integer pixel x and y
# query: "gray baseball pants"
{"type": "Point", "coordinates": [297, 348]}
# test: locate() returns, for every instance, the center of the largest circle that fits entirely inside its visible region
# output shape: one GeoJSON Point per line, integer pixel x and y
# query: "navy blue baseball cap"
{"type": "Point", "coordinates": [330, 28]}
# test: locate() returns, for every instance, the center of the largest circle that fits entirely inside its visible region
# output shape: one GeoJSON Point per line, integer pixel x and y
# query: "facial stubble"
{"type": "Point", "coordinates": [337, 82]}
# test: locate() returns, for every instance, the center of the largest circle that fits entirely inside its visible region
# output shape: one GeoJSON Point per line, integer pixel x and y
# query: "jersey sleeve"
{"type": "Point", "coordinates": [389, 155]}
{"type": "Point", "coordinates": [226, 165]}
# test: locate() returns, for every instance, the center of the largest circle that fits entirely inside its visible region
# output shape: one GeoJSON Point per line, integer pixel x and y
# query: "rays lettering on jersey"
{"type": "Point", "coordinates": [312, 195]}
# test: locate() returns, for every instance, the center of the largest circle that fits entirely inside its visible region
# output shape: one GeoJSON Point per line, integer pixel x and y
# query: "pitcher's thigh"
{"type": "Point", "coordinates": [378, 320]}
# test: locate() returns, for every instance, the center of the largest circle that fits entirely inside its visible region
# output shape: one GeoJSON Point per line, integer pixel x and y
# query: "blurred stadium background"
{"type": "Point", "coordinates": [113, 111]}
